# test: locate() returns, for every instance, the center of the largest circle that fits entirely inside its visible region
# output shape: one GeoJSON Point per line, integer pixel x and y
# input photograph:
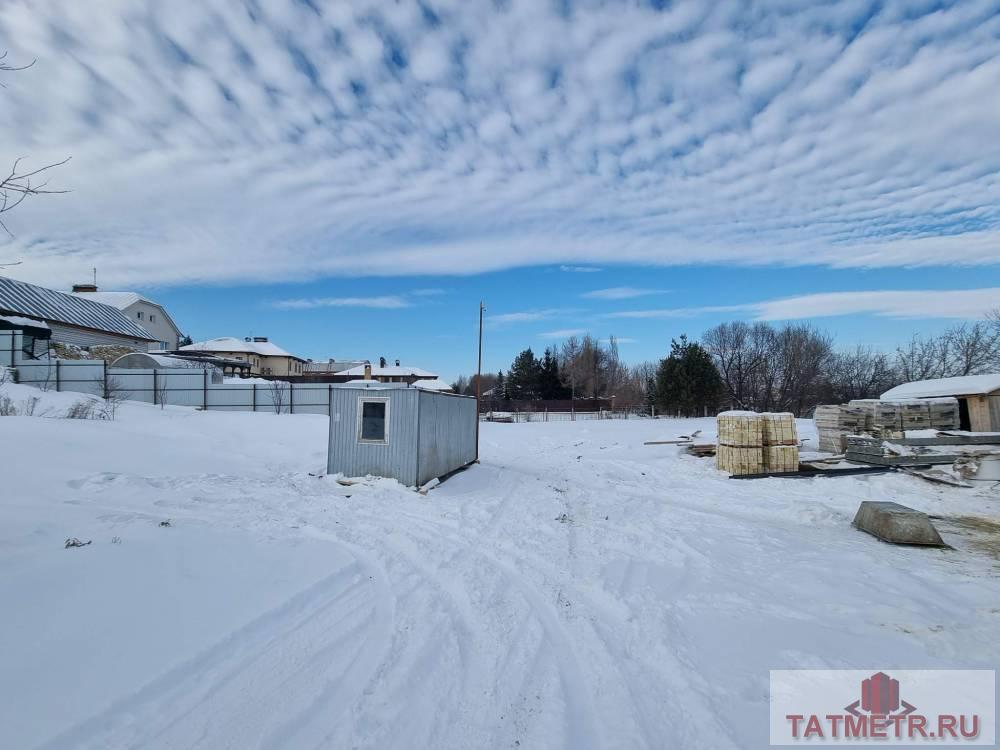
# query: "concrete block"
{"type": "Point", "coordinates": [895, 523]}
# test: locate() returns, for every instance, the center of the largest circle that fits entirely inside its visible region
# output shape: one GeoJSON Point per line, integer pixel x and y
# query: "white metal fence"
{"type": "Point", "coordinates": [174, 387]}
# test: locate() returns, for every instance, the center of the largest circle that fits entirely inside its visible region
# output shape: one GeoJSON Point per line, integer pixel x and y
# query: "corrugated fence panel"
{"type": "Point", "coordinates": [82, 376]}
{"type": "Point", "coordinates": [181, 387]}
{"type": "Point", "coordinates": [311, 398]}
{"type": "Point", "coordinates": [227, 397]}
{"type": "Point", "coordinates": [447, 434]}
{"type": "Point", "coordinates": [396, 458]}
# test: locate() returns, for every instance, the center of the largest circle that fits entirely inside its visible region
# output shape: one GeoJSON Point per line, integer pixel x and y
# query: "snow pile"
{"type": "Point", "coordinates": [962, 386]}
{"type": "Point", "coordinates": [577, 589]}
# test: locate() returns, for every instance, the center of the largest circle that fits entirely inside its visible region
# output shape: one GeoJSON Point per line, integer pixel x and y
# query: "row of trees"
{"type": "Point", "coordinates": [580, 368]}
{"type": "Point", "coordinates": [795, 367]}
{"type": "Point", "coordinates": [758, 366]}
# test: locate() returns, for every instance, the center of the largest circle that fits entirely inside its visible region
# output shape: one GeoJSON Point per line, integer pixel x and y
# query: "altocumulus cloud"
{"type": "Point", "coordinates": [219, 141]}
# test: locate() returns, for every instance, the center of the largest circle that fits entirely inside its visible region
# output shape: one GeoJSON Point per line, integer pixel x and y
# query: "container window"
{"type": "Point", "coordinates": [374, 418]}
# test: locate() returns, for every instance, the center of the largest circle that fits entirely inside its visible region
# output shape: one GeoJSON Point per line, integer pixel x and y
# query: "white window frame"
{"type": "Point", "coordinates": [361, 410]}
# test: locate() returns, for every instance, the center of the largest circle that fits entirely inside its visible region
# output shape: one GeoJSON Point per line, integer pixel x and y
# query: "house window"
{"type": "Point", "coordinates": [373, 418]}
{"type": "Point", "coordinates": [139, 315]}
{"type": "Point", "coordinates": [152, 318]}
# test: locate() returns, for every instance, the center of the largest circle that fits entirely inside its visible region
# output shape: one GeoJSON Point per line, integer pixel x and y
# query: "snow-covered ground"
{"type": "Point", "coordinates": [577, 589]}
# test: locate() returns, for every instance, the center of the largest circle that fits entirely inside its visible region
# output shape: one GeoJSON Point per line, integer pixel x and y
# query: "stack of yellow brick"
{"type": "Point", "coordinates": [751, 443]}
{"type": "Point", "coordinates": [781, 443]}
{"type": "Point", "coordinates": [741, 443]}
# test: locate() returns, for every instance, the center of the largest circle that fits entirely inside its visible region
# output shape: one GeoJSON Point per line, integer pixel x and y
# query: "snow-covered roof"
{"type": "Point", "coordinates": [969, 385]}
{"type": "Point", "coordinates": [121, 300]}
{"type": "Point", "coordinates": [391, 371]}
{"type": "Point", "coordinates": [16, 320]}
{"type": "Point", "coordinates": [20, 298]}
{"type": "Point", "coordinates": [232, 344]}
{"type": "Point", "coordinates": [432, 385]}
{"type": "Point", "coordinates": [156, 361]}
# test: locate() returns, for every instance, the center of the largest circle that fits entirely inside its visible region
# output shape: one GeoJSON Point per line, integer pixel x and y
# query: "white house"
{"type": "Point", "coordinates": [150, 315]}
{"type": "Point", "coordinates": [72, 319]}
{"type": "Point", "coordinates": [264, 357]}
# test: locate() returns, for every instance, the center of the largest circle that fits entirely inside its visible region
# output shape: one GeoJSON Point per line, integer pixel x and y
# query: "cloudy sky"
{"type": "Point", "coordinates": [350, 178]}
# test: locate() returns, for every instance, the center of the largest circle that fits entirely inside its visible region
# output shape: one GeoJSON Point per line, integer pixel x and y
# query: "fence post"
{"type": "Point", "coordinates": [254, 397]}
{"type": "Point", "coordinates": [204, 390]}
{"type": "Point", "coordinates": [57, 376]}
{"type": "Point", "coordinates": [291, 398]}
{"type": "Point", "coordinates": [329, 400]}
{"type": "Point", "coordinates": [104, 369]}
{"type": "Point", "coordinates": [154, 386]}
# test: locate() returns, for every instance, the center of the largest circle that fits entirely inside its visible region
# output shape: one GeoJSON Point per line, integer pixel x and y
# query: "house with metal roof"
{"type": "Point", "coordinates": [149, 314]}
{"type": "Point", "coordinates": [72, 319]}
{"type": "Point", "coordinates": [264, 357]}
{"type": "Point", "coordinates": [388, 373]}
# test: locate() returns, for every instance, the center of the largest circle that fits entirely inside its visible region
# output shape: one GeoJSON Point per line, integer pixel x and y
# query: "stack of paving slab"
{"type": "Point", "coordinates": [882, 419]}
{"type": "Point", "coordinates": [836, 421]}
{"type": "Point", "coordinates": [893, 418]}
{"type": "Point", "coordinates": [741, 443]}
{"type": "Point", "coordinates": [751, 443]}
{"type": "Point", "coordinates": [781, 442]}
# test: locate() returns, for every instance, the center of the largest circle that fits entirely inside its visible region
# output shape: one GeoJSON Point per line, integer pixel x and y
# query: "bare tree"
{"type": "Point", "coordinates": [279, 394]}
{"type": "Point", "coordinates": [972, 348]}
{"type": "Point", "coordinates": [570, 365]}
{"type": "Point", "coordinates": [22, 182]}
{"type": "Point", "coordinates": [965, 349]}
{"type": "Point", "coordinates": [112, 393]}
{"type": "Point", "coordinates": [162, 391]}
{"type": "Point", "coordinates": [860, 373]}
{"type": "Point", "coordinates": [767, 368]}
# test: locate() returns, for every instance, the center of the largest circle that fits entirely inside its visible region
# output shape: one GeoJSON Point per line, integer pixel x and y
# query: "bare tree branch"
{"type": "Point", "coordinates": [18, 185]}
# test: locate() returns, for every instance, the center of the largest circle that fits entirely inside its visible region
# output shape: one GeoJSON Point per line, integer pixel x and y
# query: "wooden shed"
{"type": "Point", "coordinates": [978, 398]}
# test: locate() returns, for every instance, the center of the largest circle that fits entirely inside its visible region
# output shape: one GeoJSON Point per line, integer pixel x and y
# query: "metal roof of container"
{"type": "Point", "coordinates": [21, 298]}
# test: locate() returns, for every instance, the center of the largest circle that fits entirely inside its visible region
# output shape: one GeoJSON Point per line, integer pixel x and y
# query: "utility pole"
{"type": "Point", "coordinates": [479, 375]}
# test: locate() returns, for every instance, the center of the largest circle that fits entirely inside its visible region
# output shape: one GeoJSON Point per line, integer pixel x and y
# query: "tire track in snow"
{"type": "Point", "coordinates": [223, 697]}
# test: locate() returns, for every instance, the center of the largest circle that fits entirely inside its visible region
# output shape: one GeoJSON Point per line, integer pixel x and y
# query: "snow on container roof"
{"type": "Point", "coordinates": [969, 385]}
{"type": "Point", "coordinates": [232, 344]}
{"type": "Point", "coordinates": [432, 385]}
{"type": "Point", "coordinates": [20, 298]}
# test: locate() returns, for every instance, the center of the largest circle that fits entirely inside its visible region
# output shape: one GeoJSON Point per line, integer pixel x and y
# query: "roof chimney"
{"type": "Point", "coordinates": [397, 363]}
{"type": "Point", "coordinates": [77, 288]}
{"type": "Point", "coordinates": [368, 371]}
{"type": "Point", "coordinates": [260, 339]}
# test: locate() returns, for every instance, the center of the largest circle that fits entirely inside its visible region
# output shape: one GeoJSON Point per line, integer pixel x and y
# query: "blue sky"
{"type": "Point", "coordinates": [351, 178]}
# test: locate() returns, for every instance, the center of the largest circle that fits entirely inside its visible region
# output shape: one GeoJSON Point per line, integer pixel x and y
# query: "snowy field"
{"type": "Point", "coordinates": [576, 590]}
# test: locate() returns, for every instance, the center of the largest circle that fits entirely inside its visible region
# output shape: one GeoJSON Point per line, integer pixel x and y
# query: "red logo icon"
{"type": "Point", "coordinates": [880, 697]}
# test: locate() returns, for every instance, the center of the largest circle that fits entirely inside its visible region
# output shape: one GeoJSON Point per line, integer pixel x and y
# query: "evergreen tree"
{"type": "Point", "coordinates": [650, 391]}
{"type": "Point", "coordinates": [500, 389]}
{"type": "Point", "coordinates": [524, 376]}
{"type": "Point", "coordinates": [687, 381]}
{"type": "Point", "coordinates": [185, 341]}
{"type": "Point", "coordinates": [550, 384]}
